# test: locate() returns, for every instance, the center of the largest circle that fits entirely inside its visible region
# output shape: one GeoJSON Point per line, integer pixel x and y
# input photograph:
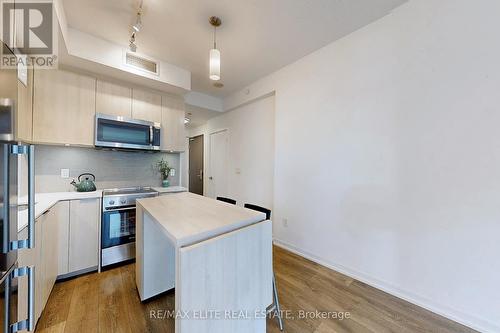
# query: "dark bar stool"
{"type": "Point", "coordinates": [276, 303]}
{"type": "Point", "coordinates": [260, 209]}
{"type": "Point", "coordinates": [231, 201]}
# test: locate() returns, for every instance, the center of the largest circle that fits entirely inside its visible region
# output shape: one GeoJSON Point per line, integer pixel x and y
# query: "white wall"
{"type": "Point", "coordinates": [388, 156]}
{"type": "Point", "coordinates": [251, 150]}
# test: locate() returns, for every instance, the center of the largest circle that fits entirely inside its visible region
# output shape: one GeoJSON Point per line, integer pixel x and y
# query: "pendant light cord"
{"type": "Point", "coordinates": [215, 37]}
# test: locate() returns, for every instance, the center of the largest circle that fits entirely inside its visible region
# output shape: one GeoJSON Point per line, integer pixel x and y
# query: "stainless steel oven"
{"type": "Point", "coordinates": [118, 223]}
{"type": "Point", "coordinates": [126, 133]}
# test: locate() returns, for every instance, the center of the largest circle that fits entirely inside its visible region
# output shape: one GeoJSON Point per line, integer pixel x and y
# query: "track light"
{"type": "Point", "coordinates": [138, 22]}
{"type": "Point", "coordinates": [132, 45]}
{"type": "Point", "coordinates": [136, 27]}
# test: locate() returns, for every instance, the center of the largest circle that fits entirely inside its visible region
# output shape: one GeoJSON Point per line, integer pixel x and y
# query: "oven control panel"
{"type": "Point", "coordinates": [123, 201]}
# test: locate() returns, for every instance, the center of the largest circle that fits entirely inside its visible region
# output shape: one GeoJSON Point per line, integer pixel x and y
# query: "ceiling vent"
{"type": "Point", "coordinates": [142, 63]}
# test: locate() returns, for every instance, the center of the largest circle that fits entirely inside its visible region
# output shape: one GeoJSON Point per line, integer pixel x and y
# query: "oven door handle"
{"type": "Point", "coordinates": [118, 209]}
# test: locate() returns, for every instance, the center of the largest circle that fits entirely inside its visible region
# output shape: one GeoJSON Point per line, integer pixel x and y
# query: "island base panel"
{"type": "Point", "coordinates": [155, 257]}
{"type": "Point", "coordinates": [229, 275]}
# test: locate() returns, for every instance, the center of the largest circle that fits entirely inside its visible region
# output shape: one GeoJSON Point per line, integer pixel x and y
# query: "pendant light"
{"type": "Point", "coordinates": [215, 53]}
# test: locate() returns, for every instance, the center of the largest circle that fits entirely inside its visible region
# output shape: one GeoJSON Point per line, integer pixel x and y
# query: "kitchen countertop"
{"type": "Point", "coordinates": [170, 189]}
{"type": "Point", "coordinates": [188, 218]}
{"type": "Point", "coordinates": [45, 201]}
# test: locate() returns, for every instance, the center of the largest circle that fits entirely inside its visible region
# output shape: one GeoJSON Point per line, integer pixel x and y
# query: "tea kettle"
{"type": "Point", "coordinates": [85, 185]}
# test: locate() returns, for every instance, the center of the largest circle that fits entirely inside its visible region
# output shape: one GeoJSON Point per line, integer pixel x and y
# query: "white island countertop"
{"type": "Point", "coordinates": [189, 218]}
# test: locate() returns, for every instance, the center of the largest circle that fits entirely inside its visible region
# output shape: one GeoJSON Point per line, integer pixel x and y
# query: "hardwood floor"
{"type": "Point", "coordinates": [108, 302]}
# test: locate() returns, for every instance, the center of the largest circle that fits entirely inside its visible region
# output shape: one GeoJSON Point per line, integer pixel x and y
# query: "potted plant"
{"type": "Point", "coordinates": [164, 170]}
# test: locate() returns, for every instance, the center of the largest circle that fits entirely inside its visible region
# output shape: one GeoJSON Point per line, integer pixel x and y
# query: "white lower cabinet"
{"type": "Point", "coordinates": [50, 249]}
{"type": "Point", "coordinates": [66, 241]}
{"type": "Point", "coordinates": [83, 234]}
{"type": "Point", "coordinates": [30, 257]}
{"type": "Point", "coordinates": [63, 245]}
{"type": "Point", "coordinates": [44, 257]}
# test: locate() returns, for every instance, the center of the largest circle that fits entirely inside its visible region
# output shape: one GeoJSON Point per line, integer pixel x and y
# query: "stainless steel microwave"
{"type": "Point", "coordinates": [126, 133]}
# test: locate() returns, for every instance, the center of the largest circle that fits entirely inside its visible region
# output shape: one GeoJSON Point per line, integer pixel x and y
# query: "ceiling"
{"type": "Point", "coordinates": [256, 38]}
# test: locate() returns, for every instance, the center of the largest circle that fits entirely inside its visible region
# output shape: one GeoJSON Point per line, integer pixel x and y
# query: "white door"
{"type": "Point", "coordinates": [217, 180]}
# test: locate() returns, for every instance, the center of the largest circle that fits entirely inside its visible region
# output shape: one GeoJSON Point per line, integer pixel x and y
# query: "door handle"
{"type": "Point", "coordinates": [29, 323]}
{"type": "Point", "coordinates": [28, 243]}
{"type": "Point", "coordinates": [6, 198]}
{"type": "Point", "coordinates": [200, 175]}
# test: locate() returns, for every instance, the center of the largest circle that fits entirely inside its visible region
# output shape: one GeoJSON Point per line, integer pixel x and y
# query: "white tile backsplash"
{"type": "Point", "coordinates": [111, 168]}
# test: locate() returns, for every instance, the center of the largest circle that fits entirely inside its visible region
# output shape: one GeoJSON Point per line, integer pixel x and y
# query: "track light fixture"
{"type": "Point", "coordinates": [136, 27]}
{"type": "Point", "coordinates": [132, 45]}
{"type": "Point", "coordinates": [138, 20]}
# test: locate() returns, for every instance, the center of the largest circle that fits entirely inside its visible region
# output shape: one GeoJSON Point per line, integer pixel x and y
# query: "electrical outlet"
{"type": "Point", "coordinates": [172, 172]}
{"type": "Point", "coordinates": [64, 173]}
{"type": "Point", "coordinates": [285, 223]}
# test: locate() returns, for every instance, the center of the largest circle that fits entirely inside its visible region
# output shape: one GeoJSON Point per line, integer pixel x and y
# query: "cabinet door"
{"type": "Point", "coordinates": [83, 234]}
{"type": "Point", "coordinates": [63, 238]}
{"type": "Point", "coordinates": [63, 108]}
{"type": "Point", "coordinates": [49, 260]}
{"type": "Point", "coordinates": [113, 99]}
{"type": "Point", "coordinates": [172, 124]}
{"type": "Point", "coordinates": [146, 105]}
{"type": "Point", "coordinates": [31, 257]}
{"type": "Point", "coordinates": [24, 121]}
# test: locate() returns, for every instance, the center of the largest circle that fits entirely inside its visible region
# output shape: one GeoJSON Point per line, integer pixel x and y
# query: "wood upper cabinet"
{"type": "Point", "coordinates": [64, 108]}
{"type": "Point", "coordinates": [83, 234]}
{"type": "Point", "coordinates": [24, 120]}
{"type": "Point", "coordinates": [113, 99]}
{"type": "Point", "coordinates": [11, 87]}
{"type": "Point", "coordinates": [173, 131]}
{"type": "Point", "coordinates": [146, 105]}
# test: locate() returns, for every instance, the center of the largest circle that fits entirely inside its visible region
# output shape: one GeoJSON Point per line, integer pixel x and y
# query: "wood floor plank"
{"type": "Point", "coordinates": [113, 314]}
{"type": "Point", "coordinates": [141, 318]}
{"type": "Point", "coordinates": [109, 302]}
{"type": "Point", "coordinates": [342, 326]}
{"type": "Point", "coordinates": [133, 306]}
{"type": "Point", "coordinates": [84, 301]}
{"type": "Point", "coordinates": [57, 307]}
{"type": "Point", "coordinates": [55, 328]}
{"type": "Point", "coordinates": [87, 326]}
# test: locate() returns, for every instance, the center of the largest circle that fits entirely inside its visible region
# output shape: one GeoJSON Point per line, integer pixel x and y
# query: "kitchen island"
{"type": "Point", "coordinates": [217, 256]}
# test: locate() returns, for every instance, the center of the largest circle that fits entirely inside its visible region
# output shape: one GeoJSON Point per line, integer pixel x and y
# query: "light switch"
{"type": "Point", "coordinates": [172, 172]}
{"type": "Point", "coordinates": [64, 173]}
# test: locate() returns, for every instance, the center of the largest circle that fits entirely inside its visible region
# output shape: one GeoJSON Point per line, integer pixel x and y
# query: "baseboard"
{"type": "Point", "coordinates": [468, 320]}
{"type": "Point", "coordinates": [63, 277]}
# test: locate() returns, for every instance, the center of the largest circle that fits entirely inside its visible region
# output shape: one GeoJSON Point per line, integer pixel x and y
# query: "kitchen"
{"type": "Point", "coordinates": [282, 166]}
